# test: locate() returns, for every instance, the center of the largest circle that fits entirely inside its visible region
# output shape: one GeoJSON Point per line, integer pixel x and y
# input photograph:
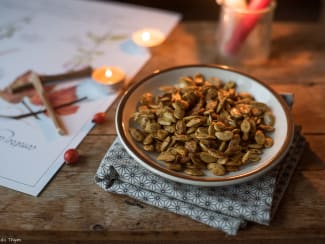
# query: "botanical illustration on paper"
{"type": "Point", "coordinates": [85, 55]}
{"type": "Point", "coordinates": [10, 29]}
{"type": "Point", "coordinates": [57, 97]}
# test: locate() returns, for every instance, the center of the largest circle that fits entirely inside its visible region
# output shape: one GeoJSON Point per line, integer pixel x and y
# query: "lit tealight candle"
{"type": "Point", "coordinates": [108, 75]}
{"type": "Point", "coordinates": [148, 37]}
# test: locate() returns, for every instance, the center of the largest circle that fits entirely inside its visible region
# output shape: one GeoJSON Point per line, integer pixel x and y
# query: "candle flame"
{"type": "Point", "coordinates": [108, 73]}
{"type": "Point", "coordinates": [145, 36]}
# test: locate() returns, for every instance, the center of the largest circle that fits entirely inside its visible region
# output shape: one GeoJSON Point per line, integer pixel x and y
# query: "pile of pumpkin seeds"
{"type": "Point", "coordinates": [203, 124]}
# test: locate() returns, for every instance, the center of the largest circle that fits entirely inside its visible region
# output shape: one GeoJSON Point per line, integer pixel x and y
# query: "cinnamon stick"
{"type": "Point", "coordinates": [54, 78]}
{"type": "Point", "coordinates": [41, 92]}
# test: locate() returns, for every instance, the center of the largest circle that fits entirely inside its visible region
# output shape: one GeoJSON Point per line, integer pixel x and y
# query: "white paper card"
{"type": "Point", "coordinates": [51, 37]}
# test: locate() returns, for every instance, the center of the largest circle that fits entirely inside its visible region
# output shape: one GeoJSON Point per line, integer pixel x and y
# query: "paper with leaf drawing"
{"type": "Point", "coordinates": [51, 37]}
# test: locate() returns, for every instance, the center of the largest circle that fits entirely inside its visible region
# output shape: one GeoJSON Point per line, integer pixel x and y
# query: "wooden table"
{"type": "Point", "coordinates": [72, 207]}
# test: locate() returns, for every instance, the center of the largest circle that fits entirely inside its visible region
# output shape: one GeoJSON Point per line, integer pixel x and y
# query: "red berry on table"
{"type": "Point", "coordinates": [71, 156]}
{"type": "Point", "coordinates": [99, 118]}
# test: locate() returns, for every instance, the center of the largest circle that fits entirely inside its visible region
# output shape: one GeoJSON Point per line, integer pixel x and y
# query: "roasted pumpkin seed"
{"type": "Point", "coordinates": [207, 157]}
{"type": "Point", "coordinates": [269, 118]}
{"type": "Point", "coordinates": [268, 142]}
{"type": "Point", "coordinates": [259, 137]}
{"type": "Point", "coordinates": [149, 148]}
{"type": "Point", "coordinates": [203, 124]}
{"type": "Point", "coordinates": [174, 166]}
{"type": "Point", "coordinates": [224, 135]}
{"type": "Point", "coordinates": [136, 134]}
{"type": "Point", "coordinates": [166, 156]}
{"type": "Point", "coordinates": [218, 170]}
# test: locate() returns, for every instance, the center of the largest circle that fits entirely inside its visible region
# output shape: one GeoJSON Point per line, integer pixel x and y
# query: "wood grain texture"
{"type": "Point", "coordinates": [72, 208]}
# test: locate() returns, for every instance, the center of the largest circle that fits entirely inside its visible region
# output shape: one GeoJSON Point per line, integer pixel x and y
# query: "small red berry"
{"type": "Point", "coordinates": [99, 118]}
{"type": "Point", "coordinates": [71, 156]}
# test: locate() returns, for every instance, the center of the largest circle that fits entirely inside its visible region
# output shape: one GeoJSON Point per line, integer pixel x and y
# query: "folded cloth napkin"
{"type": "Point", "coordinates": [226, 208]}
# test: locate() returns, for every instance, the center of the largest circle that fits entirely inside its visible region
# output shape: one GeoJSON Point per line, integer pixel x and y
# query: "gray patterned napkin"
{"type": "Point", "coordinates": [225, 208]}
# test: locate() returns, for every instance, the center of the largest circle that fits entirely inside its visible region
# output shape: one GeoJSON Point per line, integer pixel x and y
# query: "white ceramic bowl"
{"type": "Point", "coordinates": [282, 135]}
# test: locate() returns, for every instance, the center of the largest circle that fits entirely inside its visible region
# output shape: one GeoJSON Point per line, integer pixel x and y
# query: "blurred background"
{"type": "Point", "coordinates": [287, 10]}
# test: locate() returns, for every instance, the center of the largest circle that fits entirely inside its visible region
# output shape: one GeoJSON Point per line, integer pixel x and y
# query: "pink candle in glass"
{"type": "Point", "coordinates": [245, 26]}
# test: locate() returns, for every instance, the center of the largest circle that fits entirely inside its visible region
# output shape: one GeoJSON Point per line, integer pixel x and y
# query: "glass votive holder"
{"type": "Point", "coordinates": [244, 34]}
